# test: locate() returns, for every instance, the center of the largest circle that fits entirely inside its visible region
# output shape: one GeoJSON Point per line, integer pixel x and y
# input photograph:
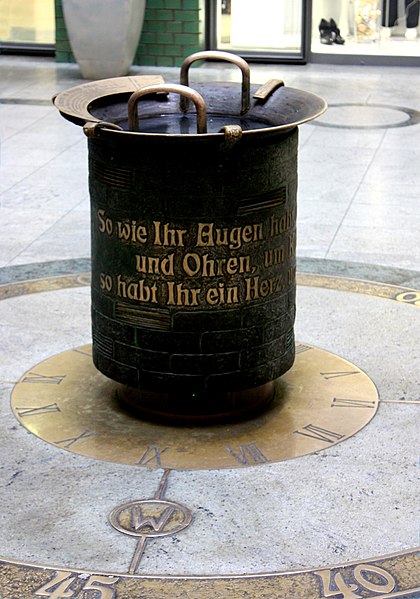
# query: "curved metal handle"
{"type": "Point", "coordinates": [217, 55]}
{"type": "Point", "coordinates": [92, 128]}
{"type": "Point", "coordinates": [185, 92]}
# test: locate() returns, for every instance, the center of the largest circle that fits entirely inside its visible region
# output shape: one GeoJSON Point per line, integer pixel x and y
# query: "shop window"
{"type": "Point", "coordinates": [366, 27]}
{"type": "Point", "coordinates": [263, 27]}
{"type": "Point", "coordinates": [24, 22]}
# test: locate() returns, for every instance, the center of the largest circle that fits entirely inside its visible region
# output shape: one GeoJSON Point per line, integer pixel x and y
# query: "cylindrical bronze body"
{"type": "Point", "coordinates": [193, 260]}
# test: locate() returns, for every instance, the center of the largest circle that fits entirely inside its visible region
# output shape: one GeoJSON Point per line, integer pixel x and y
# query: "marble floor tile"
{"type": "Point", "coordinates": [337, 138]}
{"type": "Point", "coordinates": [330, 173]}
{"type": "Point", "coordinates": [328, 212]}
{"type": "Point", "coordinates": [401, 93]}
{"type": "Point", "coordinates": [46, 133]}
{"type": "Point", "coordinates": [60, 183]}
{"type": "Point", "coordinates": [16, 167]}
{"type": "Point", "coordinates": [401, 217]}
{"type": "Point", "coordinates": [402, 138]}
{"type": "Point", "coordinates": [306, 132]}
{"type": "Point", "coordinates": [379, 193]}
{"type": "Point", "coordinates": [15, 118]}
{"type": "Point", "coordinates": [68, 237]}
{"type": "Point", "coordinates": [314, 239]}
{"type": "Point", "coordinates": [20, 228]}
{"type": "Point", "coordinates": [395, 166]}
{"type": "Point", "coordinates": [376, 245]}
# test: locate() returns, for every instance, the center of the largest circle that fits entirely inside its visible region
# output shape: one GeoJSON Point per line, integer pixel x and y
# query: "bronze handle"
{"type": "Point", "coordinates": [227, 56]}
{"type": "Point", "coordinates": [185, 92]}
{"type": "Point", "coordinates": [91, 128]}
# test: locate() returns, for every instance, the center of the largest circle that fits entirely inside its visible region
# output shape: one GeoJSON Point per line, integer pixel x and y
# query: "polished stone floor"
{"type": "Point", "coordinates": [359, 182]}
{"type": "Point", "coordinates": [262, 526]}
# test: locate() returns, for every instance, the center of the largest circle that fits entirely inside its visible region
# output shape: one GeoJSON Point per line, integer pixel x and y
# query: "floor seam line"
{"type": "Point", "coordinates": [354, 195]}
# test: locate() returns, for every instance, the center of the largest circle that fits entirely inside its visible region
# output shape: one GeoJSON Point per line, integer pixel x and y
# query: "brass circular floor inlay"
{"type": "Point", "coordinates": [321, 401]}
{"type": "Point", "coordinates": [150, 518]}
{"type": "Point", "coordinates": [360, 115]}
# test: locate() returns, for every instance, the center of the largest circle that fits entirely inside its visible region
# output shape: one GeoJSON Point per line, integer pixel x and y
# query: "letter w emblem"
{"type": "Point", "coordinates": [140, 522]}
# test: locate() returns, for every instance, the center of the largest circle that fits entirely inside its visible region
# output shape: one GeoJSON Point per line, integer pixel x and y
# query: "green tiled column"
{"type": "Point", "coordinates": [172, 29]}
{"type": "Point", "coordinates": [63, 51]}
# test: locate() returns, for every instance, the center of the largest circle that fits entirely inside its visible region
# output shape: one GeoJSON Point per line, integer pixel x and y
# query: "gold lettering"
{"type": "Point", "coordinates": [150, 265]}
{"type": "Point", "coordinates": [334, 585]}
{"type": "Point", "coordinates": [209, 236]}
{"type": "Point", "coordinates": [167, 265]}
{"type": "Point", "coordinates": [247, 234]}
{"type": "Point", "coordinates": [389, 582]}
{"type": "Point", "coordinates": [210, 266]}
{"type": "Point", "coordinates": [205, 235]}
{"type": "Point", "coordinates": [58, 586]}
{"type": "Point", "coordinates": [137, 291]}
{"type": "Point", "coordinates": [264, 288]}
{"type": "Point", "coordinates": [101, 221]}
{"type": "Point", "coordinates": [178, 295]}
{"type": "Point", "coordinates": [292, 244]}
{"type": "Point", "coordinates": [132, 231]}
{"type": "Point", "coordinates": [252, 289]}
{"type": "Point", "coordinates": [409, 297]}
{"type": "Point", "coordinates": [330, 579]}
{"type": "Point", "coordinates": [222, 295]}
{"type": "Point", "coordinates": [196, 265]}
{"type": "Point", "coordinates": [105, 224]}
{"type": "Point", "coordinates": [274, 256]}
{"type": "Point", "coordinates": [282, 224]}
{"type": "Point", "coordinates": [232, 265]}
{"type": "Point", "coordinates": [191, 264]}
{"type": "Point", "coordinates": [232, 295]}
{"type": "Point", "coordinates": [105, 282]}
{"type": "Point", "coordinates": [212, 296]}
{"type": "Point", "coordinates": [257, 288]}
{"type": "Point", "coordinates": [132, 291]}
{"type": "Point", "coordinates": [258, 232]}
{"type": "Point", "coordinates": [167, 236]}
{"type": "Point", "coordinates": [101, 585]}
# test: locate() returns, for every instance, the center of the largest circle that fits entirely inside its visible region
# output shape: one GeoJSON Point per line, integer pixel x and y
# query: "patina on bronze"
{"type": "Point", "coordinates": [193, 198]}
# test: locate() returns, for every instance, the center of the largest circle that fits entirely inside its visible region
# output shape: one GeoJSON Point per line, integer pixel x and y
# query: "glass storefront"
{"type": "Point", "coordinates": [27, 22]}
{"type": "Point", "coordinates": [283, 29]}
{"type": "Point", "coordinates": [266, 28]}
{"type": "Point", "coordinates": [366, 28]}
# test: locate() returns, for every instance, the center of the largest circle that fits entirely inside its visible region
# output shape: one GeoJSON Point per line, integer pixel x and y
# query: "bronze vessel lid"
{"type": "Point", "coordinates": [146, 105]}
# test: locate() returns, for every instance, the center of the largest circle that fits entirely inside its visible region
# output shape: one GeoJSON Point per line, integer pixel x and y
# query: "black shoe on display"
{"type": "Point", "coordinates": [337, 39]}
{"type": "Point", "coordinates": [326, 32]}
